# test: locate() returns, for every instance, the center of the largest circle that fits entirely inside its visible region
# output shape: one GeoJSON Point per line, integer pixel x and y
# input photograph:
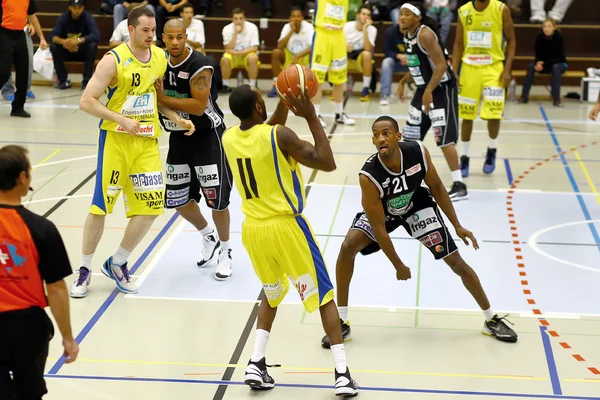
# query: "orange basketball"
{"type": "Point", "coordinates": [293, 76]}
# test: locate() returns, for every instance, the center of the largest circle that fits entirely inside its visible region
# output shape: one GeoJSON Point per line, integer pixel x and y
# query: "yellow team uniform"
{"type": "Point", "coordinates": [129, 163]}
{"type": "Point", "coordinates": [278, 239]}
{"type": "Point", "coordinates": [289, 56]}
{"type": "Point", "coordinates": [482, 62]}
{"type": "Point", "coordinates": [329, 43]}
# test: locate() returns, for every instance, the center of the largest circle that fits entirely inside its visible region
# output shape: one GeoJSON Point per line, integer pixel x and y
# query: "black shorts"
{"type": "Point", "coordinates": [423, 223]}
{"type": "Point", "coordinates": [443, 117]}
{"type": "Point", "coordinates": [197, 164]}
{"type": "Point", "coordinates": [24, 340]}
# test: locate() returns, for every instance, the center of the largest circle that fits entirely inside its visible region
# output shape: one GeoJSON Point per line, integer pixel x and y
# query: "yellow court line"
{"type": "Point", "coordinates": [588, 178]}
{"type": "Point", "coordinates": [45, 160]}
{"type": "Point", "coordinates": [364, 371]}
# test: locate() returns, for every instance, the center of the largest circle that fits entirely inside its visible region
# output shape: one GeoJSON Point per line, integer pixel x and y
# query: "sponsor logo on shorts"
{"type": "Point", "coordinates": [145, 130]}
{"type": "Point", "coordinates": [178, 193]}
{"type": "Point", "coordinates": [273, 291]}
{"type": "Point", "coordinates": [493, 94]}
{"type": "Point", "coordinates": [363, 223]}
{"type": "Point", "coordinates": [208, 175]}
{"type": "Point", "coordinates": [154, 200]}
{"type": "Point", "coordinates": [305, 286]}
{"type": "Point", "coordinates": [210, 193]}
{"type": "Point", "coordinates": [432, 239]}
{"type": "Point", "coordinates": [339, 64]}
{"type": "Point", "coordinates": [423, 222]}
{"type": "Point", "coordinates": [414, 116]}
{"type": "Point", "coordinates": [439, 248]}
{"type": "Point", "coordinates": [399, 205]}
{"type": "Point", "coordinates": [478, 59]}
{"type": "Point", "coordinates": [413, 170]}
{"type": "Point", "coordinates": [183, 75]}
{"type": "Point", "coordinates": [113, 190]}
{"type": "Point", "coordinates": [437, 117]}
{"type": "Point", "coordinates": [146, 181]}
{"type": "Point", "coordinates": [467, 100]}
{"type": "Point", "coordinates": [177, 202]}
{"type": "Point", "coordinates": [178, 174]}
{"type": "Point", "coordinates": [411, 132]}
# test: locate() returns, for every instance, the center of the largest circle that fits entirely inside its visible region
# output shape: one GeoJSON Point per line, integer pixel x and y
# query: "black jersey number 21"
{"type": "Point", "coordinates": [252, 191]}
{"type": "Point", "coordinates": [135, 79]}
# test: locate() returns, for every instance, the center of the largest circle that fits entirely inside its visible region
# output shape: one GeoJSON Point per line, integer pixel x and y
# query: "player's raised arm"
{"type": "Point", "coordinates": [200, 88]}
{"type": "Point", "coordinates": [105, 75]}
{"type": "Point", "coordinates": [371, 203]}
{"type": "Point", "coordinates": [279, 117]}
{"type": "Point", "coordinates": [319, 156]}
{"type": "Point", "coordinates": [440, 194]}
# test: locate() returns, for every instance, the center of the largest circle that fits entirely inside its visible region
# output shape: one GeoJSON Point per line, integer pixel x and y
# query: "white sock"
{"type": "Point", "coordinates": [366, 81]}
{"type": "Point", "coordinates": [343, 311]}
{"type": "Point", "coordinates": [339, 358]}
{"type": "Point", "coordinates": [232, 82]}
{"type": "Point", "coordinates": [207, 230]}
{"type": "Point", "coordinates": [456, 176]}
{"type": "Point", "coordinates": [465, 148]}
{"type": "Point", "coordinates": [260, 345]}
{"type": "Point", "coordinates": [317, 109]}
{"type": "Point", "coordinates": [86, 261]}
{"type": "Point", "coordinates": [253, 82]}
{"type": "Point", "coordinates": [493, 143]}
{"type": "Point", "coordinates": [489, 314]}
{"type": "Point", "coordinates": [121, 256]}
{"type": "Point", "coordinates": [225, 245]}
{"type": "Point", "coordinates": [275, 80]}
{"type": "Point", "coordinates": [339, 108]}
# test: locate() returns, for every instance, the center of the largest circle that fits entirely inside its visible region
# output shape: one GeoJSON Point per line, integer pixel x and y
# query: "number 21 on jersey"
{"type": "Point", "coordinates": [399, 186]}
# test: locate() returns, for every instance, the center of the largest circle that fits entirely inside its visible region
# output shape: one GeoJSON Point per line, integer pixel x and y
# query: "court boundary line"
{"type": "Point", "coordinates": [543, 318]}
{"type": "Point", "coordinates": [113, 295]}
{"type": "Point", "coordinates": [313, 386]}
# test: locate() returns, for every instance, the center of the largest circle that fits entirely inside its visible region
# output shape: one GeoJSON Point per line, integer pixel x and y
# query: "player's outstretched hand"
{"type": "Point", "coordinates": [594, 112]}
{"type": "Point", "coordinates": [403, 273]}
{"type": "Point", "coordinates": [464, 234]}
{"type": "Point", "coordinates": [301, 104]}
{"type": "Point", "coordinates": [186, 124]}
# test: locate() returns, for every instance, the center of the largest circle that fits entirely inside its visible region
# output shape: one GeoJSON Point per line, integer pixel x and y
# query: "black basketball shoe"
{"type": "Point", "coordinates": [497, 327]}
{"type": "Point", "coordinates": [345, 386]}
{"type": "Point", "coordinates": [257, 376]}
{"type": "Point", "coordinates": [346, 335]}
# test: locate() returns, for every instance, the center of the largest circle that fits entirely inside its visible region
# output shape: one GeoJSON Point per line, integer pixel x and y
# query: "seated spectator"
{"type": "Point", "coordinates": [293, 46]}
{"type": "Point", "coordinates": [241, 42]}
{"type": "Point", "coordinates": [8, 90]}
{"type": "Point", "coordinates": [394, 61]}
{"type": "Point", "coordinates": [74, 38]}
{"type": "Point", "coordinates": [193, 27]}
{"type": "Point", "coordinates": [121, 35]}
{"type": "Point", "coordinates": [549, 59]}
{"type": "Point", "coordinates": [360, 41]}
{"type": "Point", "coordinates": [122, 8]}
{"type": "Point", "coordinates": [538, 11]}
{"type": "Point", "coordinates": [442, 12]}
{"type": "Point", "coordinates": [166, 8]}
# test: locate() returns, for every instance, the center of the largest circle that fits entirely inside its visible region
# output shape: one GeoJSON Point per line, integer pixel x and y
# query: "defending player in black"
{"type": "Point", "coordinates": [196, 162]}
{"type": "Point", "coordinates": [435, 103]}
{"type": "Point", "coordinates": [393, 196]}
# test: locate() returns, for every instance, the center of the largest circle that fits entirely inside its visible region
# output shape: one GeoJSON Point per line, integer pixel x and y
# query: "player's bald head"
{"type": "Point", "coordinates": [174, 25]}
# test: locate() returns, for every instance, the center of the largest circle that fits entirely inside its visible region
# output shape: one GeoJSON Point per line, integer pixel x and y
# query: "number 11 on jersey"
{"type": "Point", "coordinates": [253, 185]}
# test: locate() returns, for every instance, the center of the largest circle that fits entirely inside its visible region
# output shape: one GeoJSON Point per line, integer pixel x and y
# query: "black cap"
{"type": "Point", "coordinates": [77, 2]}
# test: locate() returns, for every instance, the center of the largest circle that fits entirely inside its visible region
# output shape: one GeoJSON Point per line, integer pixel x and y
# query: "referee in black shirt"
{"type": "Point", "coordinates": [31, 253]}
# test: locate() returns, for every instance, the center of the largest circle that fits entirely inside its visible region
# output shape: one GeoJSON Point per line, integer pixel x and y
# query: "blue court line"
{"type": "Point", "coordinates": [554, 378]}
{"type": "Point", "coordinates": [307, 386]}
{"type": "Point", "coordinates": [563, 159]}
{"type": "Point", "coordinates": [49, 143]}
{"type": "Point", "coordinates": [509, 174]}
{"type": "Point", "coordinates": [88, 327]}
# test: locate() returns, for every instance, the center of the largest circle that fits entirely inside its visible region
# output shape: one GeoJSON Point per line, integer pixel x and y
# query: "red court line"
{"type": "Point", "coordinates": [521, 265]}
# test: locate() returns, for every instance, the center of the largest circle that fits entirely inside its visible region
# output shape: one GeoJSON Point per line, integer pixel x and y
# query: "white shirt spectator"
{"type": "Point", "coordinates": [298, 41]}
{"type": "Point", "coordinates": [195, 31]}
{"type": "Point", "coordinates": [121, 33]}
{"type": "Point", "coordinates": [248, 37]}
{"type": "Point", "coordinates": [357, 38]}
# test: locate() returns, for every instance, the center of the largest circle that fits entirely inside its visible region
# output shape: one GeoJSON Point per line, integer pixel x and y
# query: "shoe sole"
{"type": "Point", "coordinates": [258, 385]}
{"type": "Point", "coordinates": [78, 296]}
{"type": "Point", "coordinates": [459, 198]}
{"type": "Point", "coordinates": [508, 340]}
{"type": "Point", "coordinates": [346, 392]}
{"type": "Point", "coordinates": [222, 278]}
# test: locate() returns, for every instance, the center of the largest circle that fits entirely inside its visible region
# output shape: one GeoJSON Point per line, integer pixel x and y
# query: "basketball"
{"type": "Point", "coordinates": [293, 76]}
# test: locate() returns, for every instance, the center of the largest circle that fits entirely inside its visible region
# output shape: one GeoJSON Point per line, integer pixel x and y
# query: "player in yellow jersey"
{"type": "Point", "coordinates": [328, 56]}
{"type": "Point", "coordinates": [485, 29]}
{"type": "Point", "coordinates": [265, 163]}
{"type": "Point", "coordinates": [128, 153]}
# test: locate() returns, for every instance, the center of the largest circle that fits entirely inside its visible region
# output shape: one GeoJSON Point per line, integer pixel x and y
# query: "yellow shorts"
{"type": "Point", "coordinates": [477, 82]}
{"type": "Point", "coordinates": [283, 248]}
{"type": "Point", "coordinates": [239, 61]}
{"type": "Point", "coordinates": [357, 65]}
{"type": "Point", "coordinates": [329, 55]}
{"type": "Point", "coordinates": [130, 164]}
{"type": "Point", "coordinates": [289, 56]}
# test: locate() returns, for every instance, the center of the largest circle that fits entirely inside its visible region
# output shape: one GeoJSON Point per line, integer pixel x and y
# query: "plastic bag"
{"type": "Point", "coordinates": [43, 63]}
